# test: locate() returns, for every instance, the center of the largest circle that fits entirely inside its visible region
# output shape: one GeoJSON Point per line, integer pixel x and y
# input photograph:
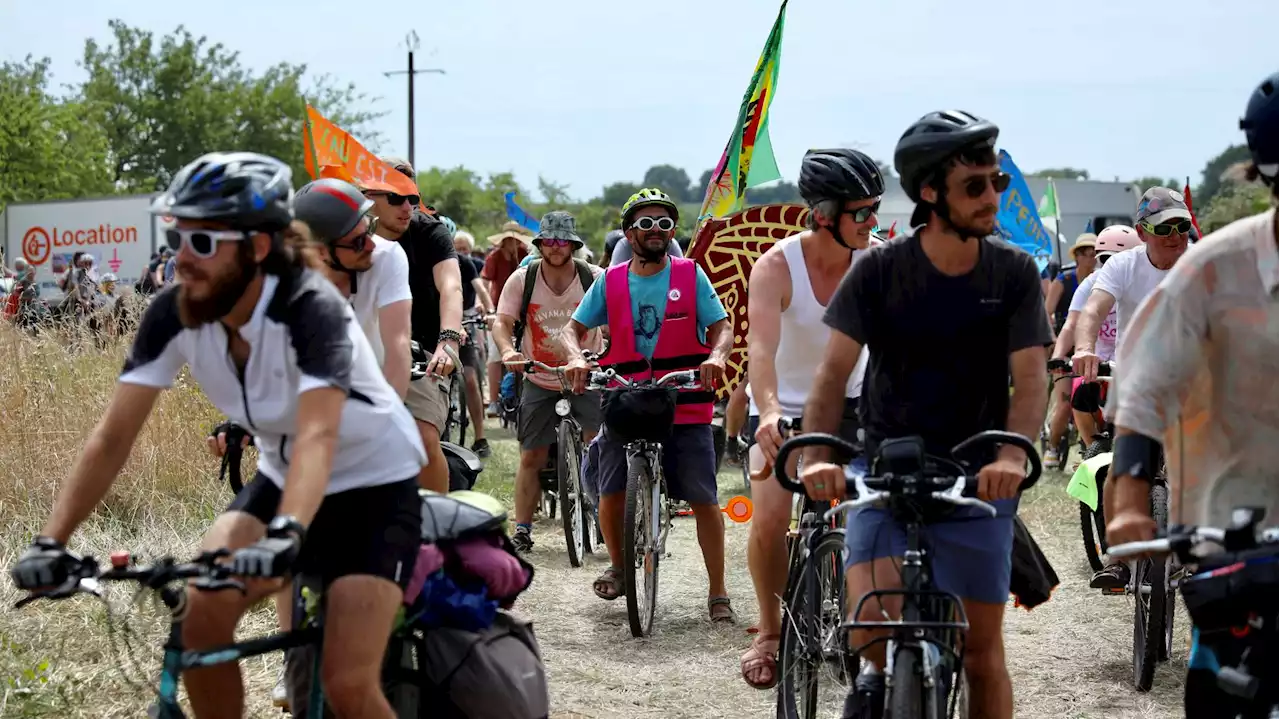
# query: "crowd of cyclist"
{"type": "Point", "coordinates": [317, 296]}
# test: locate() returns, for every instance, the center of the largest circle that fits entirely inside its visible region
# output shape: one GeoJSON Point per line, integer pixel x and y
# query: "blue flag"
{"type": "Point", "coordinates": [1088, 226]}
{"type": "Point", "coordinates": [1018, 220]}
{"type": "Point", "coordinates": [518, 214]}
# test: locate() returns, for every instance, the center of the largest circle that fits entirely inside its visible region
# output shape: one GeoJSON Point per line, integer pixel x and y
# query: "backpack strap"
{"type": "Point", "coordinates": [530, 279]}
{"type": "Point", "coordinates": [585, 277]}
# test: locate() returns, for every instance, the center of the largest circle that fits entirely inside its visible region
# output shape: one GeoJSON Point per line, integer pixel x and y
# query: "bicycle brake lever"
{"type": "Point", "coordinates": [209, 584]}
{"type": "Point", "coordinates": [951, 496]}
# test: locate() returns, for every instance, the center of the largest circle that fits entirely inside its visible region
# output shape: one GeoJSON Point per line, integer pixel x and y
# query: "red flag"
{"type": "Point", "coordinates": [1186, 193]}
{"type": "Point", "coordinates": [891, 232]}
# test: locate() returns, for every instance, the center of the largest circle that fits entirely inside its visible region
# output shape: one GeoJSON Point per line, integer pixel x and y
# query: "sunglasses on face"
{"type": "Point", "coordinates": [862, 214]}
{"type": "Point", "coordinates": [644, 224]}
{"type": "Point", "coordinates": [1165, 229]}
{"type": "Point", "coordinates": [361, 241]}
{"type": "Point", "coordinates": [397, 200]}
{"type": "Point", "coordinates": [554, 242]}
{"type": "Point", "coordinates": [975, 186]}
{"type": "Point", "coordinates": [202, 243]}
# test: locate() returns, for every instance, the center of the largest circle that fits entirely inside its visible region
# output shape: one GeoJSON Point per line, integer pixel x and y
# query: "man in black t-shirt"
{"type": "Point", "coordinates": [436, 320]}
{"type": "Point", "coordinates": [947, 314]}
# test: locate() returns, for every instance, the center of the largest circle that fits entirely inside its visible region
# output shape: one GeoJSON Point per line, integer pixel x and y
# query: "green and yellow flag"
{"type": "Point", "coordinates": [748, 158]}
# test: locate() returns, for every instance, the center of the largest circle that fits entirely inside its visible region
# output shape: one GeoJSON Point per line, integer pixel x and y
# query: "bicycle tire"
{"type": "Point", "coordinates": [463, 419]}
{"type": "Point", "coordinates": [638, 522]}
{"type": "Point", "coordinates": [905, 693]}
{"type": "Point", "coordinates": [1094, 543]}
{"type": "Point", "coordinates": [803, 640]}
{"type": "Point", "coordinates": [1149, 615]}
{"type": "Point", "coordinates": [569, 486]}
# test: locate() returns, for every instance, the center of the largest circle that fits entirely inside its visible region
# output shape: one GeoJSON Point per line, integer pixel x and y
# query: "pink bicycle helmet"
{"type": "Point", "coordinates": [1116, 238]}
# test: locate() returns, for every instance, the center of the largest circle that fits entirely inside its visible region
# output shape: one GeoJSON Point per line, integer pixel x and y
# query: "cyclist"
{"type": "Point", "coordinates": [507, 249]}
{"type": "Point", "coordinates": [788, 292]}
{"type": "Point", "coordinates": [436, 319]}
{"type": "Point", "coordinates": [663, 315]}
{"type": "Point", "coordinates": [611, 240]}
{"type": "Point", "coordinates": [273, 345]}
{"type": "Point", "coordinates": [1086, 397]}
{"type": "Point", "coordinates": [371, 271]}
{"type": "Point", "coordinates": [475, 303]}
{"type": "Point", "coordinates": [1058, 301]}
{"type": "Point", "coordinates": [557, 290]}
{"type": "Point", "coordinates": [622, 253]}
{"type": "Point", "coordinates": [1210, 325]}
{"type": "Point", "coordinates": [946, 284]}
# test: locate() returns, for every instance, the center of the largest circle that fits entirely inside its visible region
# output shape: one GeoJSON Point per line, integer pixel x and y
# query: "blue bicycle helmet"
{"type": "Point", "coordinates": [244, 190]}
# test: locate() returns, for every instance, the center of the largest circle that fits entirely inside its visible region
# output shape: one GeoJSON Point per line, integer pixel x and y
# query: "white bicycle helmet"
{"type": "Point", "coordinates": [1116, 238]}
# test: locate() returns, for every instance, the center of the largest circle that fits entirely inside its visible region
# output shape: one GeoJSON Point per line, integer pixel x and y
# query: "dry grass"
{"type": "Point", "coordinates": [1069, 659]}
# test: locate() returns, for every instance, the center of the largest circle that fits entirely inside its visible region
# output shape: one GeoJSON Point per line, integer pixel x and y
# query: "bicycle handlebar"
{"type": "Point", "coordinates": [86, 578]}
{"type": "Point", "coordinates": [959, 489]}
{"type": "Point", "coordinates": [1180, 540]}
{"type": "Point", "coordinates": [1105, 368]}
{"type": "Point", "coordinates": [684, 379]}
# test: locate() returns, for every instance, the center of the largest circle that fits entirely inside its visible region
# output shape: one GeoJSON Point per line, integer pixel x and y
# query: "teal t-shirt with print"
{"type": "Point", "coordinates": [649, 306]}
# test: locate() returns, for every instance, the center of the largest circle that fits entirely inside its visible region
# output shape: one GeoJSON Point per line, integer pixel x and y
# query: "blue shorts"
{"type": "Point", "coordinates": [970, 552]}
{"type": "Point", "coordinates": [688, 463]}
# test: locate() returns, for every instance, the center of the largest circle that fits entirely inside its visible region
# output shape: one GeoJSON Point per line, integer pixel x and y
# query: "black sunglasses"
{"type": "Point", "coordinates": [975, 186]}
{"type": "Point", "coordinates": [361, 241]}
{"type": "Point", "coordinates": [862, 214]}
{"type": "Point", "coordinates": [396, 200]}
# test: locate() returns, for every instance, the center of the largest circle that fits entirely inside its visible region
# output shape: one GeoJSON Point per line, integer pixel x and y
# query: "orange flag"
{"type": "Point", "coordinates": [340, 155]}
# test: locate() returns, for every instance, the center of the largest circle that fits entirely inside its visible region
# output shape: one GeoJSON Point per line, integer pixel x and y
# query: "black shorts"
{"type": "Point", "coordinates": [470, 356]}
{"type": "Point", "coordinates": [1089, 397]}
{"type": "Point", "coordinates": [849, 424]}
{"type": "Point", "coordinates": [374, 531]}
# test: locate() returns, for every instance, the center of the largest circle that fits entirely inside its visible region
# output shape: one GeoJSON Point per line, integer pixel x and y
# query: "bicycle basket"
{"type": "Point", "coordinates": [1227, 589]}
{"type": "Point", "coordinates": [640, 414]}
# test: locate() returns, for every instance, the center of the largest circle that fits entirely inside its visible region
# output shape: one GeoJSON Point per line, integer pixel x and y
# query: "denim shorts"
{"type": "Point", "coordinates": [688, 463]}
{"type": "Point", "coordinates": [970, 552]}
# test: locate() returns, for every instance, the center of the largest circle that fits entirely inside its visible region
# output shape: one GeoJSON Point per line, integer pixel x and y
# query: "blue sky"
{"type": "Point", "coordinates": [587, 92]}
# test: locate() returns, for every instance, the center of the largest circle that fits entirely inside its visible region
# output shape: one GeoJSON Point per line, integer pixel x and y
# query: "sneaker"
{"type": "Point", "coordinates": [481, 448]}
{"type": "Point", "coordinates": [866, 700]}
{"type": "Point", "coordinates": [1112, 576]}
{"type": "Point", "coordinates": [492, 410]}
{"type": "Point", "coordinates": [1052, 458]}
{"type": "Point", "coordinates": [522, 540]}
{"type": "Point", "coordinates": [280, 692]}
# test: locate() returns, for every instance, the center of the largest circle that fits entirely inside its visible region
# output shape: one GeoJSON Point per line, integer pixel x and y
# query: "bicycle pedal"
{"type": "Point", "coordinates": [1115, 590]}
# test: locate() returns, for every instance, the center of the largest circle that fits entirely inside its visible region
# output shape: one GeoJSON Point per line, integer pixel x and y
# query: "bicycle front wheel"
{"type": "Point", "coordinates": [1150, 581]}
{"type": "Point", "coordinates": [640, 546]}
{"type": "Point", "coordinates": [568, 459]}
{"type": "Point", "coordinates": [814, 665]}
{"type": "Point", "coordinates": [906, 685]}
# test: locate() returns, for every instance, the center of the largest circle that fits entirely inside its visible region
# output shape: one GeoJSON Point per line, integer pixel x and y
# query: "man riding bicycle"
{"type": "Point", "coordinates": [948, 314]}
{"type": "Point", "coordinates": [1127, 278]}
{"type": "Point", "coordinates": [1085, 398]}
{"type": "Point", "coordinates": [789, 289]}
{"type": "Point", "coordinates": [1200, 378]}
{"type": "Point", "coordinates": [275, 347]}
{"type": "Point", "coordinates": [663, 316]}
{"type": "Point", "coordinates": [557, 290]}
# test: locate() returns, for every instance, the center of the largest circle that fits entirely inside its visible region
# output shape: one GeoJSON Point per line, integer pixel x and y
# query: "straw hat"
{"type": "Point", "coordinates": [510, 229]}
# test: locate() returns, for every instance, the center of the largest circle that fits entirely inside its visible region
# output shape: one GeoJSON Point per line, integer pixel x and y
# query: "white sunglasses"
{"type": "Point", "coordinates": [644, 224]}
{"type": "Point", "coordinates": [202, 243]}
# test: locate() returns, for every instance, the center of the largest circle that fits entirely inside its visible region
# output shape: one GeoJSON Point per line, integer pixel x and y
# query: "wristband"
{"type": "Point", "coordinates": [286, 524]}
{"type": "Point", "coordinates": [452, 336]}
{"type": "Point", "coordinates": [1137, 456]}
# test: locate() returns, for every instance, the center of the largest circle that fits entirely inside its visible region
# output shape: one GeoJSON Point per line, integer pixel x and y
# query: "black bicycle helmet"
{"type": "Point", "coordinates": [935, 138]}
{"type": "Point", "coordinates": [1261, 125]}
{"type": "Point", "coordinates": [331, 208]}
{"type": "Point", "coordinates": [245, 190]}
{"type": "Point", "coordinates": [839, 174]}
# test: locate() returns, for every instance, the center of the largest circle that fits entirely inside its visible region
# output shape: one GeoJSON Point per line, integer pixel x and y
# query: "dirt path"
{"type": "Point", "coordinates": [1070, 659]}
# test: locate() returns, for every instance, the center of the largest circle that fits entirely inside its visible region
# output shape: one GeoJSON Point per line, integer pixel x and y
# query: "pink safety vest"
{"type": "Point", "coordinates": [678, 345]}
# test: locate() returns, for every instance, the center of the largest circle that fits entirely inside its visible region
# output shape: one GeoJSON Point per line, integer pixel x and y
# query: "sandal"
{"type": "Point", "coordinates": [758, 659]}
{"type": "Point", "coordinates": [608, 586]}
{"type": "Point", "coordinates": [719, 610]}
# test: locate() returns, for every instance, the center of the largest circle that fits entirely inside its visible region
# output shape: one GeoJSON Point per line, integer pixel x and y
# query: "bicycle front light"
{"type": "Point", "coordinates": [562, 407]}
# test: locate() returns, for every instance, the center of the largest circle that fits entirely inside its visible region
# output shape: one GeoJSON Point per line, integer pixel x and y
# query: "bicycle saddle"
{"type": "Point", "coordinates": [467, 456]}
{"type": "Point", "coordinates": [461, 514]}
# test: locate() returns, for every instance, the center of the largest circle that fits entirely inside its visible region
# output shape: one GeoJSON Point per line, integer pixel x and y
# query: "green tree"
{"type": "Point", "coordinates": [1063, 173]}
{"type": "Point", "coordinates": [47, 150]}
{"type": "Point", "coordinates": [1211, 178]}
{"type": "Point", "coordinates": [454, 192]}
{"type": "Point", "coordinates": [704, 180]}
{"type": "Point", "coordinates": [1233, 201]}
{"type": "Point", "coordinates": [163, 102]}
{"type": "Point", "coordinates": [552, 193]}
{"type": "Point", "coordinates": [618, 193]}
{"type": "Point", "coordinates": [672, 180]}
{"type": "Point", "coordinates": [775, 193]}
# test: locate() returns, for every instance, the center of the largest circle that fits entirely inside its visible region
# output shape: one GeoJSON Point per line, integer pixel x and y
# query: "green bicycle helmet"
{"type": "Point", "coordinates": [646, 197]}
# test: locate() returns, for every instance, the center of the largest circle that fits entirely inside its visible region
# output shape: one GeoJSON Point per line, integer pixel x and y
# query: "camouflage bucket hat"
{"type": "Point", "coordinates": [558, 225]}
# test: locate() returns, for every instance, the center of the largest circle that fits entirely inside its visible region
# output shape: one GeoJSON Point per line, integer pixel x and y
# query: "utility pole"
{"type": "Point", "coordinates": [411, 42]}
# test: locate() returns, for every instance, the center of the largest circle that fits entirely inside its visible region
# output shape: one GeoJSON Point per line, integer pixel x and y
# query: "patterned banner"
{"type": "Point", "coordinates": [727, 249]}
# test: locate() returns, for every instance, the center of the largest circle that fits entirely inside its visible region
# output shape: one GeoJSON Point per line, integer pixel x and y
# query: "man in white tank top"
{"type": "Point", "coordinates": [787, 295]}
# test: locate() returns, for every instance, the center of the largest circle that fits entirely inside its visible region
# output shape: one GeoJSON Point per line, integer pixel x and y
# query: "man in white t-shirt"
{"type": "Point", "coordinates": [371, 271]}
{"type": "Point", "coordinates": [1163, 224]}
{"type": "Point", "coordinates": [561, 282]}
{"type": "Point", "coordinates": [1086, 397]}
